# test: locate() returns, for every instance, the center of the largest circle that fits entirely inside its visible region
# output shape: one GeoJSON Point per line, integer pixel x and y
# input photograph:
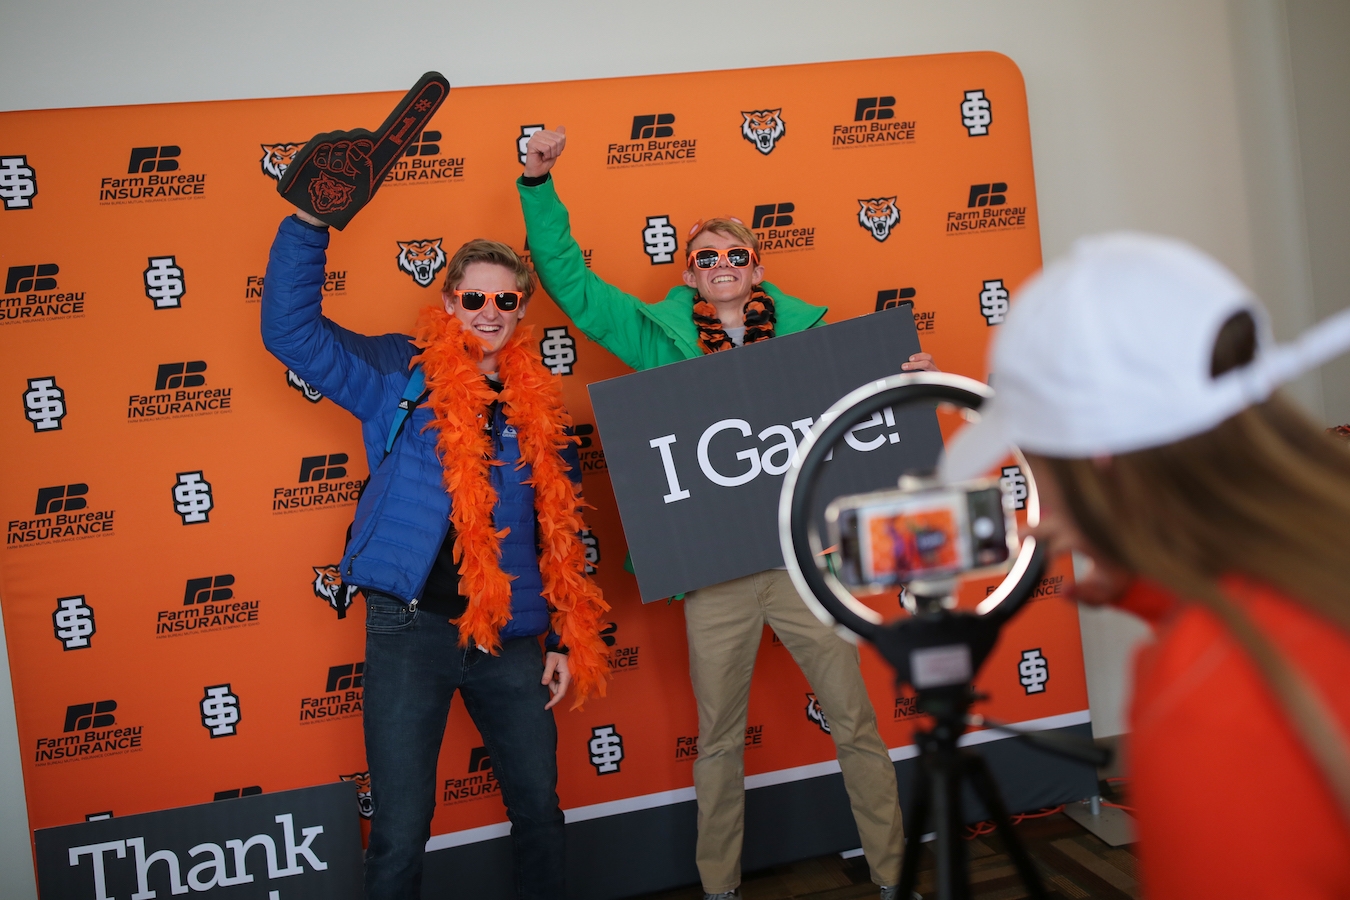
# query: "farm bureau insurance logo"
{"type": "Point", "coordinates": [651, 142]}
{"type": "Point", "coordinates": [18, 182]}
{"type": "Point", "coordinates": [763, 127]}
{"type": "Point", "coordinates": [334, 282]}
{"type": "Point", "coordinates": [779, 230]}
{"type": "Point", "coordinates": [621, 659]}
{"type": "Point", "coordinates": [423, 164]}
{"type": "Point", "coordinates": [874, 124]}
{"type": "Point", "coordinates": [479, 781]}
{"type": "Point", "coordinates": [341, 698]}
{"type": "Point", "coordinates": [180, 391]}
{"type": "Point", "coordinates": [987, 209]}
{"type": "Point", "coordinates": [61, 514]}
{"type": "Point", "coordinates": [153, 175]}
{"type": "Point", "coordinates": [32, 294]}
{"type": "Point", "coordinates": [209, 604]}
{"type": "Point", "coordinates": [322, 484]}
{"type": "Point", "coordinates": [91, 731]}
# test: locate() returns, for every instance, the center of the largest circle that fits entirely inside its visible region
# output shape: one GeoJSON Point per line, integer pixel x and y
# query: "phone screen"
{"type": "Point", "coordinates": [933, 534]}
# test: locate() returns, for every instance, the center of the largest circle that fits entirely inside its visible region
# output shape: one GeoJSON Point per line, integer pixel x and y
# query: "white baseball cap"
{"type": "Point", "coordinates": [1108, 350]}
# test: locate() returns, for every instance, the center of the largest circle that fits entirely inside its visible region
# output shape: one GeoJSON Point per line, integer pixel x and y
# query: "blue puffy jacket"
{"type": "Point", "coordinates": [404, 514]}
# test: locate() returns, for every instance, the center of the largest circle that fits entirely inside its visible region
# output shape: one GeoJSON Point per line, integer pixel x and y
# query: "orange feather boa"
{"type": "Point", "coordinates": [532, 398]}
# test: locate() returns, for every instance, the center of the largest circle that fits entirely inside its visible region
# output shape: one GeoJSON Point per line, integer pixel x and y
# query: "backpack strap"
{"type": "Point", "coordinates": [413, 395]}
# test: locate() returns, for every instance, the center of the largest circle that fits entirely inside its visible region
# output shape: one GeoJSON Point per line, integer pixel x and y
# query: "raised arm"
{"type": "Point", "coordinates": [610, 317]}
{"type": "Point", "coordinates": [352, 370]}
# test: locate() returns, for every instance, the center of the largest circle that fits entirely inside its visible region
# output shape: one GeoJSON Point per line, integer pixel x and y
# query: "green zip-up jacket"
{"type": "Point", "coordinates": [643, 335]}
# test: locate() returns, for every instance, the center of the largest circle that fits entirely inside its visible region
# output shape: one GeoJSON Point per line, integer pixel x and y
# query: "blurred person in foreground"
{"type": "Point", "coordinates": [1138, 375]}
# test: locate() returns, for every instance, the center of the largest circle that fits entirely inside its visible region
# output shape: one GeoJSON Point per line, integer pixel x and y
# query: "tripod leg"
{"type": "Point", "coordinates": [987, 790]}
{"type": "Point", "coordinates": [915, 823]}
{"type": "Point", "coordinates": [952, 878]}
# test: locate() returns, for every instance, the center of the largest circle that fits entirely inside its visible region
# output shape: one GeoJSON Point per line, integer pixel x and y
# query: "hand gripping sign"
{"type": "Point", "coordinates": [337, 172]}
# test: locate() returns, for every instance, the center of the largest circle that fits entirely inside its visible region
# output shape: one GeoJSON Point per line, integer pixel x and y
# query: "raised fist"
{"type": "Point", "coordinates": [543, 151]}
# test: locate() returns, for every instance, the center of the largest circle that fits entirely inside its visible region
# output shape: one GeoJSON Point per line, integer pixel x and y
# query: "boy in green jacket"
{"type": "Point", "coordinates": [725, 303]}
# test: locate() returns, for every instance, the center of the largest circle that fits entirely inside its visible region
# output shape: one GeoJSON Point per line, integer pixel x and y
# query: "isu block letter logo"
{"type": "Point", "coordinates": [22, 279]}
{"type": "Point", "coordinates": [165, 284]}
{"type": "Point", "coordinates": [220, 711]}
{"type": "Point", "coordinates": [656, 126]}
{"type": "Point", "coordinates": [192, 498]}
{"type": "Point", "coordinates": [421, 259]}
{"type": "Point", "coordinates": [658, 240]}
{"type": "Point", "coordinates": [277, 157]}
{"type": "Point", "coordinates": [61, 498]}
{"type": "Point", "coordinates": [815, 714]}
{"type": "Point", "coordinates": [994, 302]}
{"type": "Point", "coordinates": [763, 128]}
{"type": "Point", "coordinates": [524, 140]}
{"type": "Point", "coordinates": [1014, 486]}
{"type": "Point", "coordinates": [606, 746]}
{"type": "Point", "coordinates": [559, 350]}
{"type": "Point", "coordinates": [211, 589]}
{"type": "Point", "coordinates": [306, 390]}
{"type": "Point", "coordinates": [878, 215]}
{"type": "Point", "coordinates": [872, 108]}
{"type": "Point", "coordinates": [328, 587]}
{"type": "Point", "coordinates": [44, 404]}
{"type": "Point", "coordinates": [364, 804]}
{"type": "Point", "coordinates": [1033, 671]}
{"type": "Point", "coordinates": [85, 716]}
{"type": "Point", "coordinates": [73, 623]}
{"type": "Point", "coordinates": [976, 113]}
{"type": "Point", "coordinates": [18, 182]}
{"type": "Point", "coordinates": [153, 159]}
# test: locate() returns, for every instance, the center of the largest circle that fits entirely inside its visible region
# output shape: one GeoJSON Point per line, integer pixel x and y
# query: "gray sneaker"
{"type": "Point", "coordinates": [725, 895]}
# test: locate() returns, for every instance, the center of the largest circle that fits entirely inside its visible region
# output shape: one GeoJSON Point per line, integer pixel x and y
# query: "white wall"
{"type": "Point", "coordinates": [1170, 117]}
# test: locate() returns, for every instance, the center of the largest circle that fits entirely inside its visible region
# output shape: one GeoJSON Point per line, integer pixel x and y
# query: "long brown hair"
{"type": "Point", "coordinates": [1264, 494]}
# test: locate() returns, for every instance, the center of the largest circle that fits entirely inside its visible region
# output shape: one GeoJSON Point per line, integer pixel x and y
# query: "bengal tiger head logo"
{"type": "Point", "coordinates": [763, 128]}
{"type": "Point", "coordinates": [328, 586]}
{"type": "Point", "coordinates": [815, 714]}
{"type": "Point", "coordinates": [310, 393]}
{"type": "Point", "coordinates": [878, 216]}
{"type": "Point", "coordinates": [421, 259]}
{"type": "Point", "coordinates": [364, 804]}
{"type": "Point", "coordinates": [277, 158]}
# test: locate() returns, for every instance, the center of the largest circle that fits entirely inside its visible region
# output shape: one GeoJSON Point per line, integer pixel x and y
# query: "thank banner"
{"type": "Point", "coordinates": [175, 501]}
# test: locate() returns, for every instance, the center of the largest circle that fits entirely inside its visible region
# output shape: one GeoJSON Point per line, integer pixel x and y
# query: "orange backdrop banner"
{"type": "Point", "coordinates": [175, 500]}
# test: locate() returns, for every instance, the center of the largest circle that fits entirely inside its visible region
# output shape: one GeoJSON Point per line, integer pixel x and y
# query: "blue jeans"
{"type": "Point", "coordinates": [413, 667]}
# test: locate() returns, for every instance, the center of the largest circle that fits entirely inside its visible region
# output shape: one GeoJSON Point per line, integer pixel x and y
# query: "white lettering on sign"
{"type": "Point", "coordinates": [675, 492]}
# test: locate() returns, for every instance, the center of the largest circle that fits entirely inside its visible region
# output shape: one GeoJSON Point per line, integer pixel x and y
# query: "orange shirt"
{"type": "Point", "coordinates": [1229, 804]}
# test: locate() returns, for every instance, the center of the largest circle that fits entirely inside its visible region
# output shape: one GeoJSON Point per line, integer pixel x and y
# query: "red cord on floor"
{"type": "Point", "coordinates": [987, 827]}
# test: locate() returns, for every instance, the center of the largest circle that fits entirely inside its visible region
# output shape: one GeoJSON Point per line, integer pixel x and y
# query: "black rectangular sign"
{"type": "Point", "coordinates": [291, 845]}
{"type": "Point", "coordinates": [696, 450]}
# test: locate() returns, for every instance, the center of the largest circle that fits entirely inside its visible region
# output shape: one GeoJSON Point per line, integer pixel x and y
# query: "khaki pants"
{"type": "Point", "coordinates": [725, 623]}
